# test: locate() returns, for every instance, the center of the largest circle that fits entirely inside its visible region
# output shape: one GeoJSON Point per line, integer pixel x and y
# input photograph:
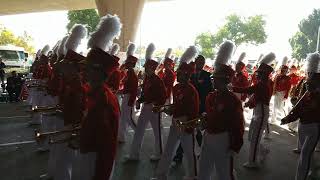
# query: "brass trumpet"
{"type": "Point", "coordinates": [198, 122]}
{"type": "Point", "coordinates": [45, 109]}
{"type": "Point", "coordinates": [161, 108]}
{"type": "Point", "coordinates": [73, 140]}
{"type": "Point", "coordinates": [40, 137]}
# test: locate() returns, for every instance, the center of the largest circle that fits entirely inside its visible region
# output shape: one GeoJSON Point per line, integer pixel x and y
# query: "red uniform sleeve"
{"type": "Point", "coordinates": [133, 87]}
{"type": "Point", "coordinates": [288, 87]}
{"type": "Point", "coordinates": [159, 92]}
{"type": "Point", "coordinates": [114, 80]}
{"type": "Point", "coordinates": [99, 132]}
{"type": "Point", "coordinates": [237, 128]}
{"type": "Point", "coordinates": [192, 103]}
{"type": "Point", "coordinates": [168, 80]}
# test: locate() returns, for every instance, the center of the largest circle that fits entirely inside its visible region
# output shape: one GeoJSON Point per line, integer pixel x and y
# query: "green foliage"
{"type": "Point", "coordinates": [87, 17]}
{"type": "Point", "coordinates": [300, 45]}
{"type": "Point", "coordinates": [204, 41]}
{"type": "Point", "coordinates": [305, 40]}
{"type": "Point", "coordinates": [7, 37]}
{"type": "Point", "coordinates": [237, 29]}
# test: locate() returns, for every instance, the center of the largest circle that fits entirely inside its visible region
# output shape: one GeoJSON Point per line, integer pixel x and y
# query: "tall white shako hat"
{"type": "Point", "coordinates": [222, 69]}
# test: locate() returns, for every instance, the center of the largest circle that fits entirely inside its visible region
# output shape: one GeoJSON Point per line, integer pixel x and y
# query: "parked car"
{"type": "Point", "coordinates": [14, 56]}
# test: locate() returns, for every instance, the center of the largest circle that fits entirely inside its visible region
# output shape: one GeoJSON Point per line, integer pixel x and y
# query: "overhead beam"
{"type": "Point", "coordinates": [8, 7]}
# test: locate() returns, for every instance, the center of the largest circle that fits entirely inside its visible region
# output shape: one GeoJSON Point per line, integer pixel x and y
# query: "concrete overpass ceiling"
{"type": "Point", "coordinates": [8, 7]}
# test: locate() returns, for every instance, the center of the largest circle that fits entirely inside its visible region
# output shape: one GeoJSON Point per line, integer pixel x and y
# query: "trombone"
{"type": "Point", "coordinates": [162, 108]}
{"type": "Point", "coordinates": [40, 109]}
{"type": "Point", "coordinates": [42, 136]}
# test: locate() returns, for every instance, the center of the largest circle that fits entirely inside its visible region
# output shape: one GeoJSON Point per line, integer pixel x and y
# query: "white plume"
{"type": "Point", "coordinates": [284, 61]}
{"type": "Point", "coordinates": [241, 57]}
{"type": "Point", "coordinates": [62, 47]}
{"type": "Point", "coordinates": [131, 49]}
{"type": "Point", "coordinates": [78, 32]}
{"type": "Point", "coordinates": [55, 48]}
{"type": "Point", "coordinates": [224, 53]}
{"type": "Point", "coordinates": [45, 50]}
{"type": "Point", "coordinates": [267, 59]}
{"type": "Point", "coordinates": [108, 28]}
{"type": "Point", "coordinates": [150, 50]}
{"type": "Point", "coordinates": [190, 53]}
{"type": "Point", "coordinates": [313, 60]}
{"type": "Point", "coordinates": [38, 53]}
{"type": "Point", "coordinates": [168, 53]}
{"type": "Point", "coordinates": [115, 49]}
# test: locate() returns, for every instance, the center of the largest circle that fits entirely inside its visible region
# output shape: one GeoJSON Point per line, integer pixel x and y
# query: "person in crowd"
{"type": "Point", "coordinates": [2, 74]}
{"type": "Point", "coordinates": [14, 84]}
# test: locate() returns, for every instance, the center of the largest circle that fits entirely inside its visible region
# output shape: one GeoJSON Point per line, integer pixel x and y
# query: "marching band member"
{"type": "Point", "coordinates": [259, 101]}
{"type": "Point", "coordinates": [201, 80]}
{"type": "Point", "coordinates": [116, 76]}
{"type": "Point", "coordinates": [240, 79]}
{"type": "Point", "coordinates": [129, 93]}
{"type": "Point", "coordinates": [99, 129]}
{"type": "Point", "coordinates": [154, 94]}
{"type": "Point", "coordinates": [169, 76]}
{"type": "Point", "coordinates": [185, 108]}
{"type": "Point", "coordinates": [307, 110]}
{"type": "Point", "coordinates": [297, 93]}
{"type": "Point", "coordinates": [282, 86]}
{"type": "Point", "coordinates": [253, 77]}
{"type": "Point", "coordinates": [224, 122]}
{"type": "Point", "coordinates": [42, 71]}
{"type": "Point", "coordinates": [70, 96]}
{"type": "Point", "coordinates": [294, 80]}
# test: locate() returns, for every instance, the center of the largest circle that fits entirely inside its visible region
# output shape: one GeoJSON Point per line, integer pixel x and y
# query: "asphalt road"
{"type": "Point", "coordinates": [20, 161]}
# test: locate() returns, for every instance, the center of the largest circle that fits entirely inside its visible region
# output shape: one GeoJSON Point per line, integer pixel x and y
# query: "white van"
{"type": "Point", "coordinates": [13, 56]}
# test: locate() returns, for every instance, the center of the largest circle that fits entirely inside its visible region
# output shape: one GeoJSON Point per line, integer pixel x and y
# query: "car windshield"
{"type": "Point", "coordinates": [22, 55]}
{"type": "Point", "coordinates": [9, 55]}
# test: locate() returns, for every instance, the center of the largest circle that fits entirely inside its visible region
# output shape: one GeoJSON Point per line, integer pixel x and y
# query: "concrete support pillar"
{"type": "Point", "coordinates": [129, 11]}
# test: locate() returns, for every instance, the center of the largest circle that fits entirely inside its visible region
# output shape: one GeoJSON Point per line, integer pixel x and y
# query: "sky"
{"type": "Point", "coordinates": [174, 23]}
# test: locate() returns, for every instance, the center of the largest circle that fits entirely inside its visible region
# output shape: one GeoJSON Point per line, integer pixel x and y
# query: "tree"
{"type": "Point", "coordinates": [7, 37]}
{"type": "Point", "coordinates": [238, 29]}
{"type": "Point", "coordinates": [305, 40]}
{"type": "Point", "coordinates": [87, 17]}
{"type": "Point", "coordinates": [204, 41]}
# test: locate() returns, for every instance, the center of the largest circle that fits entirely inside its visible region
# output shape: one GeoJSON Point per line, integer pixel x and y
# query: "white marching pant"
{"type": "Point", "coordinates": [54, 148]}
{"type": "Point", "coordinates": [64, 156]}
{"type": "Point", "coordinates": [125, 118]}
{"type": "Point", "coordinates": [311, 137]}
{"type": "Point", "coordinates": [83, 165]}
{"type": "Point", "coordinates": [216, 155]}
{"type": "Point", "coordinates": [189, 158]}
{"type": "Point", "coordinates": [36, 101]}
{"type": "Point", "coordinates": [154, 118]}
{"type": "Point", "coordinates": [278, 106]}
{"type": "Point", "coordinates": [31, 95]}
{"type": "Point", "coordinates": [257, 125]}
{"type": "Point", "coordinates": [47, 121]}
{"type": "Point", "coordinates": [63, 162]}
